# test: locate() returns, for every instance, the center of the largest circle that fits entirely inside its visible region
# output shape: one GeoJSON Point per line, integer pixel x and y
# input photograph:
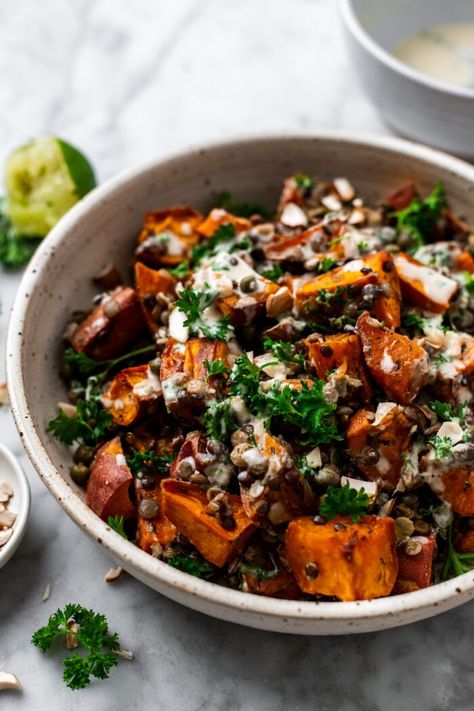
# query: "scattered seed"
{"type": "Point", "coordinates": [113, 574]}
{"type": "Point", "coordinates": [7, 519]}
{"type": "Point", "coordinates": [124, 654]}
{"type": "Point", "coordinates": [413, 547]}
{"type": "Point", "coordinates": [46, 593]}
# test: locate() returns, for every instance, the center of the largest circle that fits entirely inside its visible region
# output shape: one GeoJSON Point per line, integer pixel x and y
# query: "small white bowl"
{"type": "Point", "coordinates": [412, 103]}
{"type": "Point", "coordinates": [11, 471]}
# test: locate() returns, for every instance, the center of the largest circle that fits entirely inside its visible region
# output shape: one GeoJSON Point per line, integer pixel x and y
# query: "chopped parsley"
{"type": "Point", "coordinates": [86, 365]}
{"type": "Point", "coordinates": [441, 359]}
{"type": "Point", "coordinates": [257, 571]}
{"type": "Point", "coordinates": [304, 468]}
{"type": "Point", "coordinates": [442, 446]}
{"type": "Point", "coordinates": [189, 565]}
{"type": "Point", "coordinates": [242, 209]}
{"type": "Point", "coordinates": [412, 320]}
{"type": "Point", "coordinates": [90, 630]}
{"type": "Point", "coordinates": [303, 182]}
{"type": "Point", "coordinates": [192, 303]}
{"type": "Point", "coordinates": [216, 367]}
{"type": "Point", "coordinates": [180, 271]}
{"type": "Point", "coordinates": [344, 501]}
{"type": "Point", "coordinates": [282, 351]}
{"type": "Point", "coordinates": [208, 248]}
{"type": "Point", "coordinates": [218, 421]}
{"type": "Point", "coordinates": [326, 264]}
{"type": "Point", "coordinates": [245, 381]}
{"type": "Point", "coordinates": [117, 524]}
{"type": "Point", "coordinates": [149, 461]}
{"type": "Point", "coordinates": [456, 563]}
{"type": "Point", "coordinates": [273, 273]}
{"type": "Point", "coordinates": [445, 411]}
{"type": "Point", "coordinates": [419, 218]}
{"type": "Point", "coordinates": [88, 426]}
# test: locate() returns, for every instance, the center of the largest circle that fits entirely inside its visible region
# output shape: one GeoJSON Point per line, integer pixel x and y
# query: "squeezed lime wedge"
{"type": "Point", "coordinates": [43, 180]}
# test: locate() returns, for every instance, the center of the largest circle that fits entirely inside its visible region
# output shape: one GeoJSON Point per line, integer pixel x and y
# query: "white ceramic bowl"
{"type": "Point", "coordinates": [102, 228]}
{"type": "Point", "coordinates": [410, 102]}
{"type": "Point", "coordinates": [11, 472]}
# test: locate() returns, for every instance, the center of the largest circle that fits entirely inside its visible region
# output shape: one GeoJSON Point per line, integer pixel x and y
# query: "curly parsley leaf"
{"type": "Point", "coordinates": [257, 571]}
{"type": "Point", "coordinates": [456, 563]}
{"type": "Point", "coordinates": [446, 412]}
{"type": "Point", "coordinates": [216, 367]}
{"type": "Point", "coordinates": [146, 460]}
{"type": "Point", "coordinates": [242, 209]}
{"type": "Point", "coordinates": [218, 421]}
{"type": "Point", "coordinates": [90, 629]}
{"type": "Point", "coordinates": [282, 351]}
{"type": "Point", "coordinates": [273, 273]}
{"type": "Point", "coordinates": [442, 446]}
{"type": "Point", "coordinates": [117, 524]}
{"type": "Point", "coordinates": [208, 248]}
{"type": "Point", "coordinates": [304, 468]}
{"type": "Point", "coordinates": [244, 380]}
{"type": "Point", "coordinates": [88, 426]}
{"type": "Point", "coordinates": [189, 565]}
{"type": "Point", "coordinates": [192, 303]}
{"type": "Point", "coordinates": [344, 501]}
{"type": "Point", "coordinates": [303, 181]}
{"type": "Point", "coordinates": [419, 218]}
{"type": "Point", "coordinates": [180, 271]}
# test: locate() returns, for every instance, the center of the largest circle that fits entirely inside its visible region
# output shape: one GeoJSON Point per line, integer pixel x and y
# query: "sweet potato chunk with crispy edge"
{"type": "Point", "coordinates": [346, 283]}
{"type": "Point", "coordinates": [330, 352]}
{"type": "Point", "coordinates": [290, 193]}
{"type": "Point", "coordinates": [282, 586]}
{"type": "Point", "coordinates": [356, 562]}
{"type": "Point", "coordinates": [458, 483]}
{"type": "Point", "coordinates": [108, 488]}
{"type": "Point", "coordinates": [154, 532]}
{"type": "Point", "coordinates": [149, 283]}
{"type": "Point", "coordinates": [403, 196]}
{"type": "Point", "coordinates": [187, 361]}
{"type": "Point", "coordinates": [132, 394]}
{"type": "Point", "coordinates": [185, 505]}
{"type": "Point", "coordinates": [397, 364]}
{"type": "Point", "coordinates": [291, 498]}
{"type": "Point", "coordinates": [245, 309]}
{"type": "Point", "coordinates": [218, 217]}
{"type": "Point", "coordinates": [390, 436]}
{"type": "Point", "coordinates": [465, 262]}
{"type": "Point", "coordinates": [101, 337]}
{"type": "Point", "coordinates": [194, 445]}
{"type": "Point", "coordinates": [423, 286]}
{"type": "Point", "coordinates": [285, 248]}
{"type": "Point", "coordinates": [181, 222]}
{"type": "Point", "coordinates": [415, 571]}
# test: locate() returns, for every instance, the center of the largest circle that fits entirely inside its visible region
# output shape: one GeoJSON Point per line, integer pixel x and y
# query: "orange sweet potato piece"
{"type": "Point", "coordinates": [346, 283]}
{"type": "Point", "coordinates": [101, 337]}
{"type": "Point", "coordinates": [415, 571]}
{"type": "Point", "coordinates": [185, 505]}
{"type": "Point", "coordinates": [403, 196]}
{"type": "Point", "coordinates": [282, 586]}
{"type": "Point", "coordinates": [355, 561]}
{"type": "Point", "coordinates": [291, 192]}
{"type": "Point", "coordinates": [397, 364]}
{"type": "Point", "coordinates": [342, 349]}
{"type": "Point", "coordinates": [245, 308]}
{"type": "Point", "coordinates": [149, 283]}
{"type": "Point", "coordinates": [465, 543]}
{"type": "Point", "coordinates": [296, 247]}
{"type": "Point", "coordinates": [291, 497]}
{"type": "Point", "coordinates": [133, 393]}
{"type": "Point", "coordinates": [458, 489]}
{"type": "Point", "coordinates": [108, 488]}
{"type": "Point", "coordinates": [388, 432]}
{"type": "Point", "coordinates": [168, 236]}
{"type": "Point", "coordinates": [465, 262]}
{"type": "Point", "coordinates": [424, 286]}
{"type": "Point", "coordinates": [218, 217]}
{"type": "Point", "coordinates": [158, 531]}
{"type": "Point", "coordinates": [194, 445]}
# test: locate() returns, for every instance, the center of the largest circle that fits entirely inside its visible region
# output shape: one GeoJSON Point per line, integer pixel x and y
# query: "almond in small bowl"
{"type": "Point", "coordinates": [14, 504]}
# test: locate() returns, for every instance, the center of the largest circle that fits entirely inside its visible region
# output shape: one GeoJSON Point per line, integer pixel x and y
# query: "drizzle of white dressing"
{"type": "Point", "coordinates": [120, 460]}
{"type": "Point", "coordinates": [437, 286]}
{"type": "Point", "coordinates": [383, 465]}
{"type": "Point", "coordinates": [171, 388]}
{"type": "Point", "coordinates": [176, 327]}
{"type": "Point", "coordinates": [219, 274]}
{"type": "Point", "coordinates": [148, 386]}
{"type": "Point", "coordinates": [344, 188]}
{"type": "Point", "coordinates": [355, 266]}
{"type": "Point", "coordinates": [442, 52]}
{"type": "Point", "coordinates": [272, 367]}
{"type": "Point", "coordinates": [174, 245]}
{"type": "Point", "coordinates": [293, 216]}
{"type": "Point", "coordinates": [253, 457]}
{"type": "Point", "coordinates": [387, 363]}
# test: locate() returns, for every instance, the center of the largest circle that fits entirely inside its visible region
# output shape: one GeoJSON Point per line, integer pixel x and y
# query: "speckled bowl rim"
{"type": "Point", "coordinates": [443, 595]}
{"type": "Point", "coordinates": [365, 39]}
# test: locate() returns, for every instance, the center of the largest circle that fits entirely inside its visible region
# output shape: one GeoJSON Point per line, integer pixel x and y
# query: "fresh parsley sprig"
{"type": "Point", "coordinates": [117, 524]}
{"type": "Point", "coordinates": [446, 412]}
{"type": "Point", "coordinates": [442, 446]}
{"type": "Point", "coordinates": [419, 218]}
{"type": "Point", "coordinates": [218, 421]}
{"type": "Point", "coordinates": [90, 630]}
{"type": "Point", "coordinates": [192, 303]}
{"type": "Point", "coordinates": [273, 273]}
{"type": "Point", "coordinates": [456, 563]}
{"type": "Point", "coordinates": [344, 501]}
{"type": "Point", "coordinates": [216, 367]}
{"type": "Point", "coordinates": [147, 460]}
{"type": "Point", "coordinates": [189, 564]}
{"type": "Point", "coordinates": [88, 426]}
{"type": "Point", "coordinates": [282, 351]}
{"type": "Point", "coordinates": [101, 369]}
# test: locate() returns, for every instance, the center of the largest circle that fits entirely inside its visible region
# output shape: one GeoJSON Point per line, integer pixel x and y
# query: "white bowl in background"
{"type": "Point", "coordinates": [413, 104]}
{"type": "Point", "coordinates": [11, 472]}
{"type": "Point", "coordinates": [102, 228]}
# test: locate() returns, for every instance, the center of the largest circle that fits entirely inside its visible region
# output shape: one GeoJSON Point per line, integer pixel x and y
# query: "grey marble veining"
{"type": "Point", "coordinates": [127, 82]}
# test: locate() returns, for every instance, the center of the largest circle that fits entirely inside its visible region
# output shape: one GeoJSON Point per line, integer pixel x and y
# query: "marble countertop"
{"type": "Point", "coordinates": [126, 82]}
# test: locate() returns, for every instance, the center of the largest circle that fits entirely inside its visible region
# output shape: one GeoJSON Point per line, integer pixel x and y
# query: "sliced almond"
{"type": "Point", "coordinates": [70, 639]}
{"type": "Point", "coordinates": [6, 491]}
{"type": "Point", "coordinates": [124, 654]}
{"type": "Point", "coordinates": [4, 398]}
{"type": "Point", "coordinates": [7, 519]}
{"type": "Point", "coordinates": [279, 302]}
{"type": "Point", "coordinates": [344, 189]}
{"type": "Point", "coordinates": [9, 681]}
{"type": "Point", "coordinates": [67, 408]}
{"type": "Point", "coordinates": [47, 592]}
{"type": "Point", "coordinates": [5, 536]}
{"type": "Point", "coordinates": [331, 203]}
{"type": "Point", "coordinates": [113, 574]}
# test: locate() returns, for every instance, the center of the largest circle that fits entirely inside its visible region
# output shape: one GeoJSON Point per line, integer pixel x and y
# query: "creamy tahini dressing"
{"type": "Point", "coordinates": [445, 53]}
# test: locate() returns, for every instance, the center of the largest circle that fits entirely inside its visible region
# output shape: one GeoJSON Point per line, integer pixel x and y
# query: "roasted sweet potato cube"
{"type": "Point", "coordinates": [331, 291]}
{"type": "Point", "coordinates": [424, 286]}
{"type": "Point", "coordinates": [186, 506]}
{"type": "Point", "coordinates": [291, 192]}
{"type": "Point", "coordinates": [149, 283]}
{"type": "Point", "coordinates": [282, 493]}
{"type": "Point", "coordinates": [102, 337]}
{"type": "Point", "coordinates": [342, 349]}
{"type": "Point", "coordinates": [168, 236]}
{"type": "Point", "coordinates": [153, 533]}
{"type": "Point", "coordinates": [403, 196]}
{"type": "Point", "coordinates": [415, 571]}
{"type": "Point", "coordinates": [282, 586]}
{"type": "Point", "coordinates": [183, 374]}
{"type": "Point", "coordinates": [465, 262]}
{"type": "Point", "coordinates": [218, 217]}
{"type": "Point", "coordinates": [388, 431]}
{"type": "Point", "coordinates": [351, 561]}
{"type": "Point", "coordinates": [108, 488]}
{"type": "Point", "coordinates": [133, 393]}
{"type": "Point", "coordinates": [297, 248]}
{"type": "Point", "coordinates": [458, 489]}
{"type": "Point", "coordinates": [398, 365]}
